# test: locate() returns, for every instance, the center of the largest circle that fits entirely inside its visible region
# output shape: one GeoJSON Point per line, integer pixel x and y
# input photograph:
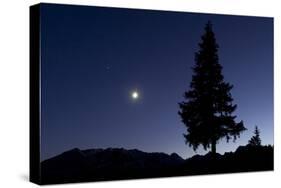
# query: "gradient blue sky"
{"type": "Point", "coordinates": [93, 58]}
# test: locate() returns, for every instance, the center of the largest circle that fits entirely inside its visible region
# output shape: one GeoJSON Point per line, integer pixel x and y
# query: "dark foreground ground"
{"type": "Point", "coordinates": [116, 164]}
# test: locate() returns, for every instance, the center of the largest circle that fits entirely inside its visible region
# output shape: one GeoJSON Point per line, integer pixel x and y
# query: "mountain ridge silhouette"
{"type": "Point", "coordinates": [77, 165]}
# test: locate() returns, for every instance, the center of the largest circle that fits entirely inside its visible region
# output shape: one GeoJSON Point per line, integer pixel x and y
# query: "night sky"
{"type": "Point", "coordinates": [94, 58]}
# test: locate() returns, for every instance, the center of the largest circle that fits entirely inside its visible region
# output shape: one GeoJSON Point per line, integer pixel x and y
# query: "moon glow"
{"type": "Point", "coordinates": [135, 95]}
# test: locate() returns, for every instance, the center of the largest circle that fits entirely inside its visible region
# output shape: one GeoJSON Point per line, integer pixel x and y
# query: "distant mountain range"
{"type": "Point", "coordinates": [117, 163]}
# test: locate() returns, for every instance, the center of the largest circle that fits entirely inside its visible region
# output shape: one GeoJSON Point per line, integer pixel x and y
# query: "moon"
{"type": "Point", "coordinates": [135, 95]}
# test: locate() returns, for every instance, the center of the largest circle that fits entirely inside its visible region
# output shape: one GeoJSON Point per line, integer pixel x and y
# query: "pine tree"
{"type": "Point", "coordinates": [207, 109]}
{"type": "Point", "coordinates": [255, 140]}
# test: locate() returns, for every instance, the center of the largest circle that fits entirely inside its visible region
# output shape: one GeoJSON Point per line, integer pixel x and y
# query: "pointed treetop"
{"type": "Point", "coordinates": [255, 140]}
{"type": "Point", "coordinates": [208, 26]}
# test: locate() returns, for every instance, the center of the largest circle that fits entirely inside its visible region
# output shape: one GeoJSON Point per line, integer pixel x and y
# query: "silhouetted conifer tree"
{"type": "Point", "coordinates": [255, 140]}
{"type": "Point", "coordinates": [207, 109]}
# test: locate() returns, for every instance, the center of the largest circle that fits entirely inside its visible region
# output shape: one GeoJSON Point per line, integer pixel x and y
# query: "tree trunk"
{"type": "Point", "coordinates": [214, 148]}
